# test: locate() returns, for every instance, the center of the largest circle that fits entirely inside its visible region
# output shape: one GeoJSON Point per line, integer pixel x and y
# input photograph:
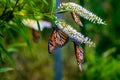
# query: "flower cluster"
{"type": "Point", "coordinates": [73, 34]}
{"type": "Point", "coordinates": [77, 37]}
{"type": "Point", "coordinates": [70, 6]}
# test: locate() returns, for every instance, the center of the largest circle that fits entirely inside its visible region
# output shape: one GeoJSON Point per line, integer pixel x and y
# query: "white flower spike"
{"type": "Point", "coordinates": [70, 6]}
{"type": "Point", "coordinates": [73, 34]}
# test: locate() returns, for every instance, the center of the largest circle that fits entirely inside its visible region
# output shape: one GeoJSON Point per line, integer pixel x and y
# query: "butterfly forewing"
{"type": "Point", "coordinates": [79, 55]}
{"type": "Point", "coordinates": [76, 18]}
{"type": "Point", "coordinates": [57, 39]}
{"type": "Point", "coordinates": [52, 44]}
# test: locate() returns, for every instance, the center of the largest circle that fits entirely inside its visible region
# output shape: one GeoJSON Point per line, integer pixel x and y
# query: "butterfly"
{"type": "Point", "coordinates": [79, 55]}
{"type": "Point", "coordinates": [76, 18]}
{"type": "Point", "coordinates": [57, 39]}
{"type": "Point", "coordinates": [36, 35]}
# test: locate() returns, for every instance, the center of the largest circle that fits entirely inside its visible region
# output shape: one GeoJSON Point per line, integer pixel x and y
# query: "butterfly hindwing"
{"type": "Point", "coordinates": [61, 38]}
{"type": "Point", "coordinates": [79, 55]}
{"type": "Point", "coordinates": [57, 39]}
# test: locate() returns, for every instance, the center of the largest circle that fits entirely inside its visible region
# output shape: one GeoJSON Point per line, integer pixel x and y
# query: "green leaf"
{"type": "Point", "coordinates": [53, 5]}
{"type": "Point", "coordinates": [38, 25]}
{"type": "Point", "coordinates": [45, 2]}
{"type": "Point", "coordinates": [50, 16]}
{"type": "Point", "coordinates": [5, 69]}
{"type": "Point", "coordinates": [30, 3]}
{"type": "Point", "coordinates": [21, 30]}
{"type": "Point", "coordinates": [1, 37]}
{"type": "Point", "coordinates": [12, 50]}
{"type": "Point", "coordinates": [8, 54]}
{"type": "Point", "coordinates": [18, 45]}
{"type": "Point", "coordinates": [109, 51]}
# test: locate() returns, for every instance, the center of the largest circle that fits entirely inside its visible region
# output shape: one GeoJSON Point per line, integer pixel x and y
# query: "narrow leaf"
{"type": "Point", "coordinates": [8, 54]}
{"type": "Point", "coordinates": [22, 31]}
{"type": "Point", "coordinates": [38, 25]}
{"type": "Point", "coordinates": [45, 2]}
{"type": "Point", "coordinates": [5, 69]}
{"type": "Point", "coordinates": [53, 5]}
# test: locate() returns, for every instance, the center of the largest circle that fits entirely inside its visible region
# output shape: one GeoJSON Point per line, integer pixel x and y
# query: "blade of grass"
{"type": "Point", "coordinates": [1, 56]}
{"type": "Point", "coordinates": [1, 37]}
{"type": "Point", "coordinates": [8, 54]}
{"type": "Point", "coordinates": [39, 28]}
{"type": "Point", "coordinates": [18, 45]}
{"type": "Point", "coordinates": [30, 3]}
{"type": "Point", "coordinates": [45, 2]}
{"type": "Point", "coordinates": [53, 5]}
{"type": "Point", "coordinates": [38, 25]}
{"type": "Point", "coordinates": [21, 30]}
{"type": "Point", "coordinates": [5, 69]}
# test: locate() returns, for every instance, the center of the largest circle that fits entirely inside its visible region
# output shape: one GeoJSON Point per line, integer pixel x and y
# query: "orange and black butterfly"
{"type": "Point", "coordinates": [36, 35]}
{"type": "Point", "coordinates": [57, 39]}
{"type": "Point", "coordinates": [76, 18]}
{"type": "Point", "coordinates": [79, 55]}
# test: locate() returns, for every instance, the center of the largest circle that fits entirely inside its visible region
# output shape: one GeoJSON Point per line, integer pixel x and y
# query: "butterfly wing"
{"type": "Point", "coordinates": [79, 55]}
{"type": "Point", "coordinates": [76, 18]}
{"type": "Point", "coordinates": [36, 35]}
{"type": "Point", "coordinates": [61, 38]}
{"type": "Point", "coordinates": [57, 39]}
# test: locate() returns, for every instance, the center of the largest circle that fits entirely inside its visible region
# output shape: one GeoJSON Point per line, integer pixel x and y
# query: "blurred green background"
{"type": "Point", "coordinates": [31, 61]}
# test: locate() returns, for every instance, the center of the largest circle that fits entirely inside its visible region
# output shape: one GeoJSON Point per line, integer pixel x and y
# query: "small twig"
{"type": "Point", "coordinates": [15, 5]}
